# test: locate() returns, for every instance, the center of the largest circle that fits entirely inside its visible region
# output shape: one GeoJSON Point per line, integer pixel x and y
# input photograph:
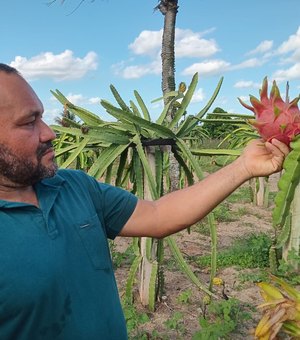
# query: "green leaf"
{"type": "Point", "coordinates": [185, 101]}
{"type": "Point", "coordinates": [131, 278]}
{"type": "Point", "coordinates": [226, 121]}
{"type": "Point", "coordinates": [186, 128]}
{"type": "Point", "coordinates": [119, 99]}
{"type": "Point", "coordinates": [287, 185]}
{"type": "Point", "coordinates": [159, 130]}
{"type": "Point", "coordinates": [152, 286]}
{"type": "Point", "coordinates": [138, 174]}
{"type": "Point", "coordinates": [108, 135]}
{"type": "Point", "coordinates": [187, 154]}
{"type": "Point", "coordinates": [121, 167]}
{"type": "Point", "coordinates": [184, 266]}
{"type": "Point", "coordinates": [146, 166]}
{"type": "Point", "coordinates": [62, 150]}
{"type": "Point", "coordinates": [86, 116]}
{"type": "Point", "coordinates": [214, 152]}
{"type": "Point", "coordinates": [98, 133]}
{"type": "Point", "coordinates": [134, 108]}
{"type": "Point", "coordinates": [163, 115]}
{"type": "Point", "coordinates": [75, 153]}
{"type": "Point", "coordinates": [106, 157]}
{"type": "Point", "coordinates": [188, 173]}
{"type": "Point", "coordinates": [159, 171]}
{"type": "Point", "coordinates": [142, 106]}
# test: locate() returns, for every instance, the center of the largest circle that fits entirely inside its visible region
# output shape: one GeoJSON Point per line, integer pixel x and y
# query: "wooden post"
{"type": "Point", "coordinates": [148, 248]}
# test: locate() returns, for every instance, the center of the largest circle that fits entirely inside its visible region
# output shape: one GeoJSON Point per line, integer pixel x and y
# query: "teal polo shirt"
{"type": "Point", "coordinates": [57, 280]}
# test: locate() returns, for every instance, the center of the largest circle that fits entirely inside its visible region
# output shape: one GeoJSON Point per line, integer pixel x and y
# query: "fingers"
{"type": "Point", "coordinates": [281, 146]}
{"type": "Point", "coordinates": [278, 151]}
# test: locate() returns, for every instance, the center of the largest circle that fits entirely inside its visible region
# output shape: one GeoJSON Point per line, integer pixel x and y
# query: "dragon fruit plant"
{"type": "Point", "coordinates": [275, 118]}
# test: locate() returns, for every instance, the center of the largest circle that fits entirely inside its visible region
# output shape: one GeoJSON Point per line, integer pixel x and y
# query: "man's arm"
{"type": "Point", "coordinates": [180, 209]}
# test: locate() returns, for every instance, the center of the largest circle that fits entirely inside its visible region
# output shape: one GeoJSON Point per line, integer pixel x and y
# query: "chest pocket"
{"type": "Point", "coordinates": [95, 242]}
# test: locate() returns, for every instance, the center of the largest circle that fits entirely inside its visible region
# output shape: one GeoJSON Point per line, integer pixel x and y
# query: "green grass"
{"type": "Point", "coordinates": [241, 195]}
{"type": "Point", "coordinates": [250, 252]}
{"type": "Point", "coordinates": [223, 318]}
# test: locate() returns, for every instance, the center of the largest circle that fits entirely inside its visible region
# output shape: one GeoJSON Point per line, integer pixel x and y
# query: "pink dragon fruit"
{"type": "Point", "coordinates": [275, 118]}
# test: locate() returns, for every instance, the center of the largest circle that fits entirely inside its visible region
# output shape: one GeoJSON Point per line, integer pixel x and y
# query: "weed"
{"type": "Point", "coordinates": [243, 194]}
{"type": "Point", "coordinates": [288, 271]}
{"type": "Point", "coordinates": [222, 213]}
{"type": "Point", "coordinates": [175, 323]}
{"type": "Point", "coordinates": [185, 296]}
{"type": "Point", "coordinates": [119, 258]}
{"type": "Point", "coordinates": [258, 276]}
{"type": "Point", "coordinates": [202, 227]}
{"type": "Point", "coordinates": [133, 319]}
{"type": "Point", "coordinates": [224, 317]}
{"type": "Point", "coordinates": [170, 264]}
{"type": "Point", "coordinates": [242, 211]}
{"type": "Point", "coordinates": [250, 252]}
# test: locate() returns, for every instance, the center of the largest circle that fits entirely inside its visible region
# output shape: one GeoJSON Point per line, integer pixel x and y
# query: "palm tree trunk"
{"type": "Point", "coordinates": [169, 10]}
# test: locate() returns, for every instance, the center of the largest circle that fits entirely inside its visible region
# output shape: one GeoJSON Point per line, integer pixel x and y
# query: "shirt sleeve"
{"type": "Point", "coordinates": [117, 207]}
{"type": "Point", "coordinates": [113, 205]}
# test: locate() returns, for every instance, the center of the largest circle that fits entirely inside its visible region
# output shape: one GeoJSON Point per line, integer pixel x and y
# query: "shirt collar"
{"type": "Point", "coordinates": [51, 182]}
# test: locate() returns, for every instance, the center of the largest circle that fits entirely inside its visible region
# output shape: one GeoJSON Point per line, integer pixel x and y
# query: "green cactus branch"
{"type": "Point", "coordinates": [118, 151]}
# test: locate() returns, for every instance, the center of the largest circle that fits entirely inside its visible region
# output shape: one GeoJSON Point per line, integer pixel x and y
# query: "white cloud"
{"type": "Point", "coordinates": [263, 47]}
{"type": "Point", "coordinates": [78, 99]}
{"type": "Point", "coordinates": [75, 99]}
{"type": "Point", "coordinates": [191, 44]}
{"type": "Point", "coordinates": [63, 66]}
{"type": "Point", "coordinates": [138, 71]}
{"type": "Point", "coordinates": [289, 74]}
{"type": "Point", "coordinates": [94, 100]}
{"type": "Point", "coordinates": [198, 96]}
{"type": "Point", "coordinates": [249, 63]}
{"type": "Point", "coordinates": [147, 43]}
{"type": "Point", "coordinates": [291, 45]}
{"type": "Point", "coordinates": [187, 44]}
{"type": "Point", "coordinates": [207, 68]}
{"type": "Point", "coordinates": [246, 84]}
{"type": "Point", "coordinates": [289, 50]}
{"type": "Point", "coordinates": [50, 115]}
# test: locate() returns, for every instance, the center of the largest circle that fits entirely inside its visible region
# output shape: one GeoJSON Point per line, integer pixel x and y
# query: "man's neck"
{"type": "Point", "coordinates": [16, 193]}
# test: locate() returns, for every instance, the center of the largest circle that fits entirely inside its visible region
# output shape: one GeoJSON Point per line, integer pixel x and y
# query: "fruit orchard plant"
{"type": "Point", "coordinates": [276, 118]}
{"type": "Point", "coordinates": [129, 152]}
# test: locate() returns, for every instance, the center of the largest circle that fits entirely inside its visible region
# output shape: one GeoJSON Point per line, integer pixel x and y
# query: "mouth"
{"type": "Point", "coordinates": [49, 151]}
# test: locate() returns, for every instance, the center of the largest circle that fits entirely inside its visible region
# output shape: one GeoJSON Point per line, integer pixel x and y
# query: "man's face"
{"type": "Point", "coordinates": [22, 171]}
{"type": "Point", "coordinates": [26, 154]}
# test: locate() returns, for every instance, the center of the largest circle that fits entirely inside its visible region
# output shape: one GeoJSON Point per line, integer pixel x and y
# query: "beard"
{"type": "Point", "coordinates": [20, 170]}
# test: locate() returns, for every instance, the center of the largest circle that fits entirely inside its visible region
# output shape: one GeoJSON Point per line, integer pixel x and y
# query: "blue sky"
{"type": "Point", "coordinates": [118, 42]}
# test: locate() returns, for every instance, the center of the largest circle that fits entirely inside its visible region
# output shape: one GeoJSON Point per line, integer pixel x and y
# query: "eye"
{"type": "Point", "coordinates": [30, 123]}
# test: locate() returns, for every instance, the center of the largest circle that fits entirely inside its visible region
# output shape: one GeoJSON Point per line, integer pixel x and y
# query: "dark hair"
{"type": "Point", "coordinates": [8, 69]}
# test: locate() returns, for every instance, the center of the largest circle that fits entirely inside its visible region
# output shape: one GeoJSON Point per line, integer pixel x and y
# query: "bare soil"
{"type": "Point", "coordinates": [256, 219]}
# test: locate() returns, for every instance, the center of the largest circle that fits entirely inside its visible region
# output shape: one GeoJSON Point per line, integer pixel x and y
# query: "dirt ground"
{"type": "Point", "coordinates": [257, 219]}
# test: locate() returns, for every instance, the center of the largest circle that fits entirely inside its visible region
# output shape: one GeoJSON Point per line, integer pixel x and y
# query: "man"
{"type": "Point", "coordinates": [56, 278]}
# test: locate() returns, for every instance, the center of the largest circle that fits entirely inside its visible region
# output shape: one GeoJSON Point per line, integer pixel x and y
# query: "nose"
{"type": "Point", "coordinates": [46, 134]}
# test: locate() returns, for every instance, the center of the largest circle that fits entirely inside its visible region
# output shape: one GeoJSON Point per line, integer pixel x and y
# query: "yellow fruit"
{"type": "Point", "coordinates": [217, 281]}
